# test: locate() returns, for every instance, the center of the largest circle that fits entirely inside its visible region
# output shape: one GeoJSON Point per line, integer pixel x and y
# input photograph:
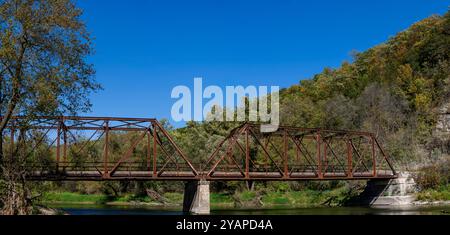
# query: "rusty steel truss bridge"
{"type": "Point", "coordinates": [104, 148]}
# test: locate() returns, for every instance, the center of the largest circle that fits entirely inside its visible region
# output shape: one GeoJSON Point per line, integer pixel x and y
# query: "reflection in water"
{"type": "Point", "coordinates": [131, 210]}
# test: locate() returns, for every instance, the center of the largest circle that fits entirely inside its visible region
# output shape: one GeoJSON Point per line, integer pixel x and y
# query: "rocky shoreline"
{"type": "Point", "coordinates": [430, 203]}
{"type": "Point", "coordinates": [43, 210]}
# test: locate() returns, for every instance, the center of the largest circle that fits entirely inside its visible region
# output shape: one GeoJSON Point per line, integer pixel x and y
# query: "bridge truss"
{"type": "Point", "coordinates": [292, 153]}
{"type": "Point", "coordinates": [105, 148]}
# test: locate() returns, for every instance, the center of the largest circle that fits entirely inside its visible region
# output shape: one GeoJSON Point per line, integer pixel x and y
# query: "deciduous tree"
{"type": "Point", "coordinates": [44, 46]}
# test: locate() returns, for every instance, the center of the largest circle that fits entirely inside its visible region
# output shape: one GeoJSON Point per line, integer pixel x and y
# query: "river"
{"type": "Point", "coordinates": [136, 210]}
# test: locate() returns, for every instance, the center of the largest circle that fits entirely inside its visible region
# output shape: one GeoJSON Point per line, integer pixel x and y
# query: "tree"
{"type": "Point", "coordinates": [44, 47]}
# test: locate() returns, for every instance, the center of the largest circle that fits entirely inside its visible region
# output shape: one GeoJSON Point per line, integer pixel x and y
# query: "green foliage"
{"type": "Point", "coordinates": [221, 198]}
{"type": "Point", "coordinates": [174, 197]}
{"type": "Point", "coordinates": [303, 198]}
{"type": "Point", "coordinates": [198, 140]}
{"type": "Point", "coordinates": [440, 194]}
{"type": "Point", "coordinates": [67, 197]}
{"type": "Point", "coordinates": [392, 90]}
{"type": "Point", "coordinates": [247, 195]}
{"type": "Point", "coordinates": [133, 198]}
{"type": "Point", "coordinates": [275, 198]}
{"type": "Point", "coordinates": [283, 187]}
{"type": "Point", "coordinates": [44, 47]}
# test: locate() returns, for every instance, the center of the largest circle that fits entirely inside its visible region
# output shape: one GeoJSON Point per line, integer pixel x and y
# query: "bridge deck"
{"type": "Point", "coordinates": [218, 176]}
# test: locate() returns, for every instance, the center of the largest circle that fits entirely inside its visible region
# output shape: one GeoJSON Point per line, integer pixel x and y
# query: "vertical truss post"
{"type": "Point", "coordinates": [247, 155]}
{"type": "Point", "coordinates": [154, 151]}
{"type": "Point", "coordinates": [349, 158]}
{"type": "Point", "coordinates": [319, 157]}
{"type": "Point", "coordinates": [11, 147]}
{"type": "Point", "coordinates": [285, 154]}
{"type": "Point", "coordinates": [65, 145]}
{"type": "Point", "coordinates": [149, 149]}
{"type": "Point", "coordinates": [374, 159]}
{"type": "Point", "coordinates": [58, 145]}
{"type": "Point", "coordinates": [325, 160]}
{"type": "Point", "coordinates": [106, 151]}
{"type": "Point", "coordinates": [266, 162]}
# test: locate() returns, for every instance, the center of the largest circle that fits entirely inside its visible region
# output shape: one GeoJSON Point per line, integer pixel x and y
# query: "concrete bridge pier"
{"type": "Point", "coordinates": [394, 192]}
{"type": "Point", "coordinates": [196, 197]}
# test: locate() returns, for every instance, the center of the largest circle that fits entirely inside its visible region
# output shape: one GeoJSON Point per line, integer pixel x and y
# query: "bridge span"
{"type": "Point", "coordinates": [70, 148]}
{"type": "Point", "coordinates": [106, 148]}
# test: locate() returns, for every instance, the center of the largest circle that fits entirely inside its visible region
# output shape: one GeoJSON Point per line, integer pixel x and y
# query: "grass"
{"type": "Point", "coordinates": [68, 197]}
{"type": "Point", "coordinates": [441, 194]}
{"type": "Point", "coordinates": [296, 198]}
{"type": "Point", "coordinates": [132, 198]}
{"type": "Point", "coordinates": [221, 198]}
{"type": "Point", "coordinates": [275, 198]}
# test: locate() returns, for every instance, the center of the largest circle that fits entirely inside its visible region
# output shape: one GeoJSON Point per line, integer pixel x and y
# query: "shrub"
{"type": "Point", "coordinates": [442, 194]}
{"type": "Point", "coordinates": [429, 178]}
{"type": "Point", "coordinates": [174, 197]}
{"type": "Point", "coordinates": [283, 187]}
{"type": "Point", "coordinates": [247, 195]}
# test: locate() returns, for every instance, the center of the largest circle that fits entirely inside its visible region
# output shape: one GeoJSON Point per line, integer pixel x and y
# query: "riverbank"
{"type": "Point", "coordinates": [245, 199]}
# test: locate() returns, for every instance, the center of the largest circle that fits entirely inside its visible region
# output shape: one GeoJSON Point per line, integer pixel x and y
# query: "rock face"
{"type": "Point", "coordinates": [443, 123]}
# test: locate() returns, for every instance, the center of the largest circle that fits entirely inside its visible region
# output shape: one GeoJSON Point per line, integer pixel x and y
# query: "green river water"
{"type": "Point", "coordinates": [137, 210]}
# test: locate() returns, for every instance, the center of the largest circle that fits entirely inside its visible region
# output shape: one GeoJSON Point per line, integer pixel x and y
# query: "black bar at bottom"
{"type": "Point", "coordinates": [226, 224]}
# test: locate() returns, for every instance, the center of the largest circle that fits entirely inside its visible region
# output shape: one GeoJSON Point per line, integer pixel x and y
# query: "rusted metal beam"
{"type": "Point", "coordinates": [106, 151]}
{"type": "Point", "coordinates": [155, 151]}
{"type": "Point", "coordinates": [349, 158]}
{"type": "Point", "coordinates": [247, 155]}
{"type": "Point", "coordinates": [58, 151]}
{"type": "Point", "coordinates": [319, 157]}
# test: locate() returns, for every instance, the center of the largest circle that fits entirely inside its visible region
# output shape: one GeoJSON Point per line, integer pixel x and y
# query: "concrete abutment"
{"type": "Point", "coordinates": [393, 192]}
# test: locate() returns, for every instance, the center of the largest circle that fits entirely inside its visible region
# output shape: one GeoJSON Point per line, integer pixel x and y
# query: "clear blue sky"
{"type": "Point", "coordinates": [144, 48]}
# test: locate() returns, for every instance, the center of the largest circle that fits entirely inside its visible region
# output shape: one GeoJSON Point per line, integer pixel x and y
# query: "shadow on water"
{"type": "Point", "coordinates": [155, 210]}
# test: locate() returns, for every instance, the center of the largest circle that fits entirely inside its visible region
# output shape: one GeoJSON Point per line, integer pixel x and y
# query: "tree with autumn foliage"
{"type": "Point", "coordinates": [44, 47]}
